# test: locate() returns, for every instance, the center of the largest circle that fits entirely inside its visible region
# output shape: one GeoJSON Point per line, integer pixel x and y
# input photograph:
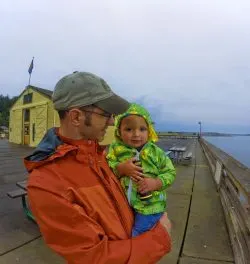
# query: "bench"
{"type": "Point", "coordinates": [17, 193]}
{"type": "Point", "coordinates": [22, 192]}
{"type": "Point", "coordinates": [168, 153]}
{"type": "Point", "coordinates": [188, 156]}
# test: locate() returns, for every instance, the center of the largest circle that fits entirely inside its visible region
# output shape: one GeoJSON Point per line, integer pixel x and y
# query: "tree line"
{"type": "Point", "coordinates": [5, 104]}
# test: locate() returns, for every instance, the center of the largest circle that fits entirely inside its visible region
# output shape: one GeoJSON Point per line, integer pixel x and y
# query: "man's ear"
{"type": "Point", "coordinates": [75, 116]}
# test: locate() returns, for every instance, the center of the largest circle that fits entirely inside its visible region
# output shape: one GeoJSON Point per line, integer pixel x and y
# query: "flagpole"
{"type": "Point", "coordinates": [29, 79]}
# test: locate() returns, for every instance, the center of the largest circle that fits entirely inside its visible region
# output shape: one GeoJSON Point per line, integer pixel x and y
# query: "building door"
{"type": "Point", "coordinates": [26, 139]}
{"type": "Point", "coordinates": [26, 126]}
{"type": "Point", "coordinates": [16, 126]}
{"type": "Point", "coordinates": [40, 125]}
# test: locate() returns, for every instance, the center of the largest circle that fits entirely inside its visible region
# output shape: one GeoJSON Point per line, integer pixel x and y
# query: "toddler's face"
{"type": "Point", "coordinates": [134, 131]}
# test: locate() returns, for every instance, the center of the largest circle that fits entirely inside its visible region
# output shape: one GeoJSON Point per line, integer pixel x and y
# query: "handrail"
{"type": "Point", "coordinates": [233, 182]}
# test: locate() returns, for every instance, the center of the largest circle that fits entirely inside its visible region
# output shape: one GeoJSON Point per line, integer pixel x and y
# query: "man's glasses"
{"type": "Point", "coordinates": [107, 115]}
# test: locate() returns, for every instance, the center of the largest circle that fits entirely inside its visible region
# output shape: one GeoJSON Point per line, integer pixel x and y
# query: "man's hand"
{"type": "Point", "coordinates": [129, 169]}
{"type": "Point", "coordinates": [148, 185]}
{"type": "Point", "coordinates": [165, 222]}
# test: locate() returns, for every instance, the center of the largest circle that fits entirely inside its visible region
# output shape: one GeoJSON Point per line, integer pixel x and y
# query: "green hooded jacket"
{"type": "Point", "coordinates": [153, 160]}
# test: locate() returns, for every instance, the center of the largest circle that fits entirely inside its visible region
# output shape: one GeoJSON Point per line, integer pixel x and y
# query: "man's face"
{"type": "Point", "coordinates": [95, 124]}
{"type": "Point", "coordinates": [92, 123]}
{"type": "Point", "coordinates": [134, 131]}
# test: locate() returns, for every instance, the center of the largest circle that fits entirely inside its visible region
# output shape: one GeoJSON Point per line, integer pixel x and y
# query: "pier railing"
{"type": "Point", "coordinates": [233, 182]}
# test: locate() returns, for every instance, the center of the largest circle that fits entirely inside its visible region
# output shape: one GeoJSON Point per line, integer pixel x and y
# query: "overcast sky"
{"type": "Point", "coordinates": [186, 60]}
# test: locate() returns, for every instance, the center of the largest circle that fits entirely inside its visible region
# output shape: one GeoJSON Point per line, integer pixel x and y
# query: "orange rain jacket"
{"type": "Point", "coordinates": [80, 206]}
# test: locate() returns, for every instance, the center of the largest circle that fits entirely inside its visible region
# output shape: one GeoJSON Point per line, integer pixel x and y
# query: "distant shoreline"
{"type": "Point", "coordinates": [204, 134]}
{"type": "Point", "coordinates": [227, 135]}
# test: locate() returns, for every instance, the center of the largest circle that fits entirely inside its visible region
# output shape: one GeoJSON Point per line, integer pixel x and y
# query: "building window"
{"type": "Point", "coordinates": [27, 98]}
{"type": "Point", "coordinates": [26, 115]}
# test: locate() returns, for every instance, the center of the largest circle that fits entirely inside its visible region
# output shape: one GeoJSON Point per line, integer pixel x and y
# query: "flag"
{"type": "Point", "coordinates": [31, 66]}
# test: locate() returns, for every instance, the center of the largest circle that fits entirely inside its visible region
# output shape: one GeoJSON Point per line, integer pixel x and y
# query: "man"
{"type": "Point", "coordinates": [77, 201]}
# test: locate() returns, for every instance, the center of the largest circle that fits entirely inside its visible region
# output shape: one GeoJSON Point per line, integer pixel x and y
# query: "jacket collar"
{"type": "Point", "coordinates": [53, 146]}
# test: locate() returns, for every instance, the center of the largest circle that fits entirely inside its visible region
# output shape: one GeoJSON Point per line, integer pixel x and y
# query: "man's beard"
{"type": "Point", "coordinates": [88, 119]}
{"type": "Point", "coordinates": [88, 123]}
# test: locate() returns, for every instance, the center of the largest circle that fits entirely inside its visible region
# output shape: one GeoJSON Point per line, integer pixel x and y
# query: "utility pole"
{"type": "Point", "coordinates": [200, 127]}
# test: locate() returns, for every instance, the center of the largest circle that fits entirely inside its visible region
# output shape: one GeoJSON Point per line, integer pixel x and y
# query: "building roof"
{"type": "Point", "coordinates": [41, 90]}
{"type": "Point", "coordinates": [45, 92]}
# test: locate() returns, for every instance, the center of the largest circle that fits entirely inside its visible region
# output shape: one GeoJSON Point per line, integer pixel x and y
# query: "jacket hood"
{"type": "Point", "coordinates": [136, 109]}
{"type": "Point", "coordinates": [47, 150]}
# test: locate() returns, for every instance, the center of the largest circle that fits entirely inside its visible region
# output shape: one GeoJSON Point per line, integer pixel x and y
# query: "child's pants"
{"type": "Point", "coordinates": [144, 223]}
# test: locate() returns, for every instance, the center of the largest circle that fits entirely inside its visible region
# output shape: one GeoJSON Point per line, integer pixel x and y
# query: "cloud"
{"type": "Point", "coordinates": [189, 60]}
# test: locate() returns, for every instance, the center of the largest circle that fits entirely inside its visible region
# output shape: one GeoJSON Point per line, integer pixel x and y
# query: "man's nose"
{"type": "Point", "coordinates": [111, 121]}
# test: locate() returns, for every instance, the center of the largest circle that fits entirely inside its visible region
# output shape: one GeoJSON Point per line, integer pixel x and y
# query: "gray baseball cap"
{"type": "Point", "coordinates": [82, 88]}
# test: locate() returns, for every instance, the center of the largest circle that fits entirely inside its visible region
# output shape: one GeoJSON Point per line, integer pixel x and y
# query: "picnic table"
{"type": "Point", "coordinates": [22, 192]}
{"type": "Point", "coordinates": [178, 153]}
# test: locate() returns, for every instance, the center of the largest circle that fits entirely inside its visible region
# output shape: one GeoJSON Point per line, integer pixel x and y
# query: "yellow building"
{"type": "Point", "coordinates": [33, 114]}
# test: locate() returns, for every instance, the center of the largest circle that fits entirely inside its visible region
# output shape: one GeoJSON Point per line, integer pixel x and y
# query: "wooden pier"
{"type": "Point", "coordinates": [199, 232]}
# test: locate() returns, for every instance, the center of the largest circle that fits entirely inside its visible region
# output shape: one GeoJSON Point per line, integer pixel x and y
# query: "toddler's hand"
{"type": "Point", "coordinates": [149, 185]}
{"type": "Point", "coordinates": [128, 168]}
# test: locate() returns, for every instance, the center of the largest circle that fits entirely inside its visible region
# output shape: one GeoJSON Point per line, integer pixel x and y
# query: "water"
{"type": "Point", "coordinates": [237, 146]}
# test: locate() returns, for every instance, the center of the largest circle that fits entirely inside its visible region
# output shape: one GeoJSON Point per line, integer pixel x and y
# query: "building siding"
{"type": "Point", "coordinates": [38, 118]}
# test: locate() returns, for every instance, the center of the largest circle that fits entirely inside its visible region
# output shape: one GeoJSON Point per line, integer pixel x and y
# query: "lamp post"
{"type": "Point", "coordinates": [200, 127]}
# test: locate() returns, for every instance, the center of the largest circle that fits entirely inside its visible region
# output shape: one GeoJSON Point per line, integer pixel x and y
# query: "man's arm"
{"type": "Point", "coordinates": [78, 238]}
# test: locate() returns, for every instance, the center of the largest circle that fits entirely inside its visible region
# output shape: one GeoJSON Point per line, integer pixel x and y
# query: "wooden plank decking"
{"type": "Point", "coordinates": [199, 230]}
